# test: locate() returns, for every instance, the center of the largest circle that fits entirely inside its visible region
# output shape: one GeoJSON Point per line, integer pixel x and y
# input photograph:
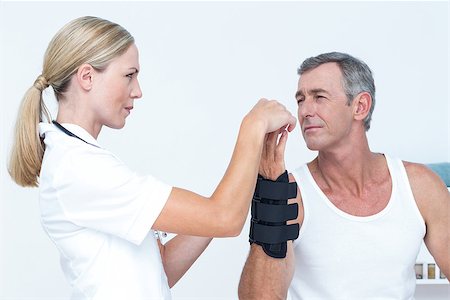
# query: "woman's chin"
{"type": "Point", "coordinates": [117, 125]}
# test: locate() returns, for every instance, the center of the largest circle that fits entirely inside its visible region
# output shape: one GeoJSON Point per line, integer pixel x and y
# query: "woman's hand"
{"type": "Point", "coordinates": [188, 213]}
{"type": "Point", "coordinates": [272, 116]}
{"type": "Point", "coordinates": [277, 122]}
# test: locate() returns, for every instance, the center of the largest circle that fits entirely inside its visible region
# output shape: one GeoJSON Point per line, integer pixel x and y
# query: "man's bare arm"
{"type": "Point", "coordinates": [433, 200]}
{"type": "Point", "coordinates": [265, 277]}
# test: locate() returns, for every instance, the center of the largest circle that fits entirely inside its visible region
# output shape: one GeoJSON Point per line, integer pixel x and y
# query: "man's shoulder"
{"type": "Point", "coordinates": [416, 169]}
{"type": "Point", "coordinates": [420, 172]}
{"type": "Point", "coordinates": [423, 179]}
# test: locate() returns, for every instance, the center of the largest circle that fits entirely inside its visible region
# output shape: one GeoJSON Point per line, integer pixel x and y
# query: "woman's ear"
{"type": "Point", "coordinates": [85, 76]}
{"type": "Point", "coordinates": [361, 105]}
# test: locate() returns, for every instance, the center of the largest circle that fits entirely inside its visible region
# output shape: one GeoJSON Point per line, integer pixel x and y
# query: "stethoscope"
{"type": "Point", "coordinates": [69, 133]}
{"type": "Point", "coordinates": [158, 234]}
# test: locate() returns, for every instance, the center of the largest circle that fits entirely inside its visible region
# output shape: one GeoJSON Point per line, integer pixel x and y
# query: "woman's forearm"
{"type": "Point", "coordinates": [233, 194]}
{"type": "Point", "coordinates": [180, 253]}
{"type": "Point", "coordinates": [224, 213]}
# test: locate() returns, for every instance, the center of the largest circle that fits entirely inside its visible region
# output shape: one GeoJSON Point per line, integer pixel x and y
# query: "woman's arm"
{"type": "Point", "coordinates": [180, 253]}
{"type": "Point", "coordinates": [224, 213]}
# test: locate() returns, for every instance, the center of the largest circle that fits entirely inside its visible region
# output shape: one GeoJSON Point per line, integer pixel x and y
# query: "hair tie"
{"type": "Point", "coordinates": [41, 83]}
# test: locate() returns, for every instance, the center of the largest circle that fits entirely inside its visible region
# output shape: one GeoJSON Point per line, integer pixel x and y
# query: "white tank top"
{"type": "Point", "coordinates": [341, 256]}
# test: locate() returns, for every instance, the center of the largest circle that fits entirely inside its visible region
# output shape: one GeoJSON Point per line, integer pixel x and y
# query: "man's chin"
{"type": "Point", "coordinates": [314, 146]}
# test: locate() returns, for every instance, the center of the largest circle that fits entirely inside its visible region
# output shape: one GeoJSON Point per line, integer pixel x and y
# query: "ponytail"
{"type": "Point", "coordinates": [28, 148]}
{"type": "Point", "coordinates": [88, 40]}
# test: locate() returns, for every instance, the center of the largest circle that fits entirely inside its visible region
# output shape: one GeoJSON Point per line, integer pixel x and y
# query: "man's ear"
{"type": "Point", "coordinates": [361, 105]}
{"type": "Point", "coordinates": [85, 76]}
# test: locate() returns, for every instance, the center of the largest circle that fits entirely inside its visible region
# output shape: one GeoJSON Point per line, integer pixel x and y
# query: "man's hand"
{"type": "Point", "coordinates": [272, 158]}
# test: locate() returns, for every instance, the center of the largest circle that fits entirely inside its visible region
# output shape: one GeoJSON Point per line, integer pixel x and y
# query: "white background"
{"type": "Point", "coordinates": [203, 66]}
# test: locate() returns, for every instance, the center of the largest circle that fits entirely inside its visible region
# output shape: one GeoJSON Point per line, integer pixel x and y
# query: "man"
{"type": "Point", "coordinates": [363, 215]}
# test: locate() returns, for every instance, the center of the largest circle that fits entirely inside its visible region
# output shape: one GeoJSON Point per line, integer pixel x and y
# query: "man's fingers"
{"type": "Point", "coordinates": [281, 147]}
{"type": "Point", "coordinates": [264, 149]}
{"type": "Point", "coordinates": [271, 143]}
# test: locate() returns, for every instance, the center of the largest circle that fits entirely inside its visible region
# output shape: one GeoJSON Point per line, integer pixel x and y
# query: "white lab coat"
{"type": "Point", "coordinates": [99, 215]}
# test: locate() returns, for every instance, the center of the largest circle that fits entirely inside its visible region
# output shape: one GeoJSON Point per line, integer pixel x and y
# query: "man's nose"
{"type": "Point", "coordinates": [307, 108]}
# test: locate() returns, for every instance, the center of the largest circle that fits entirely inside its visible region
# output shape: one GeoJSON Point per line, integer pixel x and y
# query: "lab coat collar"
{"type": "Point", "coordinates": [75, 129]}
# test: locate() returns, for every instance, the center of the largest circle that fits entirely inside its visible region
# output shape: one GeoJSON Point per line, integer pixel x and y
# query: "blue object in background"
{"type": "Point", "coordinates": [443, 170]}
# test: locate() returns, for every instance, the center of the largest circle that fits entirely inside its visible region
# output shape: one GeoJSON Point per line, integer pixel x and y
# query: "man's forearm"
{"type": "Point", "coordinates": [265, 277]}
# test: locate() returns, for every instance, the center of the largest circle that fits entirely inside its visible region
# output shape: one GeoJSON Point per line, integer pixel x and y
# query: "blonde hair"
{"type": "Point", "coordinates": [86, 40]}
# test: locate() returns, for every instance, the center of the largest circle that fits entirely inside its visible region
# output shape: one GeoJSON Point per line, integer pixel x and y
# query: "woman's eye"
{"type": "Point", "coordinates": [130, 75]}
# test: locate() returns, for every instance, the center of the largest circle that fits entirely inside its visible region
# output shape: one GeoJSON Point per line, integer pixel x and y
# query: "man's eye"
{"type": "Point", "coordinates": [300, 100]}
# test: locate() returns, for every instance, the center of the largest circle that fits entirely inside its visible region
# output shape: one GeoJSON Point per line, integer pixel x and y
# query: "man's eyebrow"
{"type": "Point", "coordinates": [313, 91]}
{"type": "Point", "coordinates": [316, 91]}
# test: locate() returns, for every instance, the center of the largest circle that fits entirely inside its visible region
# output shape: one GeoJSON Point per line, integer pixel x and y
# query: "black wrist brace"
{"type": "Point", "coordinates": [270, 211]}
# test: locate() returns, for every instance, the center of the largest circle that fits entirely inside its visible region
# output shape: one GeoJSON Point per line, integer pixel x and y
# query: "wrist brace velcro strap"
{"type": "Point", "coordinates": [270, 211]}
{"type": "Point", "coordinates": [274, 190]}
{"type": "Point", "coordinates": [274, 213]}
{"type": "Point", "coordinates": [270, 234]}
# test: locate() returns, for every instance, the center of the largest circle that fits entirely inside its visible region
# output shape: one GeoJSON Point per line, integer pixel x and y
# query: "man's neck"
{"type": "Point", "coordinates": [346, 169]}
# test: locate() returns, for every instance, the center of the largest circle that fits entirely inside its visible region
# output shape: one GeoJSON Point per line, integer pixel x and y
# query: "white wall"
{"type": "Point", "coordinates": [204, 65]}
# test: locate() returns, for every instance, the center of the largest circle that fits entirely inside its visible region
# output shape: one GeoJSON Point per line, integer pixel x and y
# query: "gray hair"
{"type": "Point", "coordinates": [357, 76]}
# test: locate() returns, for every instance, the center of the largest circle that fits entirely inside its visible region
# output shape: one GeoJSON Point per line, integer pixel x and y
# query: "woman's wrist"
{"type": "Point", "coordinates": [254, 125]}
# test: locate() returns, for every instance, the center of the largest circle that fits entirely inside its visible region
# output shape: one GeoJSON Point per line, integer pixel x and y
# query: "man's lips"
{"type": "Point", "coordinates": [309, 127]}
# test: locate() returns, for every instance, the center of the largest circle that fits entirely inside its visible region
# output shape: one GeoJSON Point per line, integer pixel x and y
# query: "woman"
{"type": "Point", "coordinates": [97, 212]}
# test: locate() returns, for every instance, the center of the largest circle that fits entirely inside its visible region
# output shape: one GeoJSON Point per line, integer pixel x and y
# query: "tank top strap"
{"type": "Point", "coordinates": [404, 191]}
